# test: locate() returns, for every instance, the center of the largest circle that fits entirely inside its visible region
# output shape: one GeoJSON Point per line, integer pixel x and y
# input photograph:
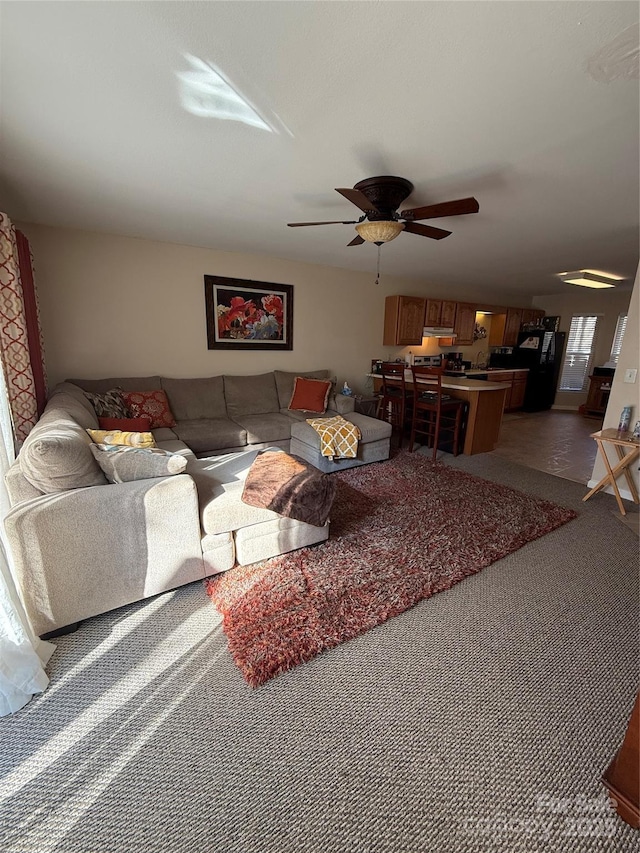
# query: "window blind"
{"type": "Point", "coordinates": [616, 346]}
{"type": "Point", "coordinates": [579, 352]}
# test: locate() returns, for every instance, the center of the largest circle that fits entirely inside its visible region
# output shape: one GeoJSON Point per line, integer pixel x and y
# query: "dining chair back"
{"type": "Point", "coordinates": [435, 414]}
{"type": "Point", "coordinates": [396, 398]}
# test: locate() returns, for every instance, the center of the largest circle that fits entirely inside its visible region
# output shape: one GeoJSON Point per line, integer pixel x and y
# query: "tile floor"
{"type": "Point", "coordinates": [559, 443]}
{"type": "Point", "coordinates": [552, 441]}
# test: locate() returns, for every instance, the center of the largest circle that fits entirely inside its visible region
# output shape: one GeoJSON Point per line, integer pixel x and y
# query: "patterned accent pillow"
{"type": "Point", "coordinates": [117, 437]}
{"type": "Point", "coordinates": [310, 395]}
{"type": "Point", "coordinates": [124, 464]}
{"type": "Point", "coordinates": [151, 404]}
{"type": "Point", "coordinates": [109, 405]}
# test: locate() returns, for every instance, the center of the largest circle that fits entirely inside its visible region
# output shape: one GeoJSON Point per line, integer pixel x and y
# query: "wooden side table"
{"type": "Point", "coordinates": [627, 449]}
{"type": "Point", "coordinates": [598, 396]}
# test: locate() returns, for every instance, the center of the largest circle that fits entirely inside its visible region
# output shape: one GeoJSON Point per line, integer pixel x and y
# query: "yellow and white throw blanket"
{"type": "Point", "coordinates": [338, 437]}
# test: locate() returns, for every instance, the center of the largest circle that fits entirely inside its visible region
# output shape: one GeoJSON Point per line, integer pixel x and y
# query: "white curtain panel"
{"type": "Point", "coordinates": [22, 655]}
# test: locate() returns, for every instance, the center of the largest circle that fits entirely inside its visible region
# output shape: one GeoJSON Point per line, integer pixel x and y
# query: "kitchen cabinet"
{"type": "Point", "coordinates": [465, 323]}
{"type": "Point", "coordinates": [433, 312]}
{"type": "Point", "coordinates": [405, 317]}
{"type": "Point", "coordinates": [512, 327]}
{"type": "Point", "coordinates": [517, 380]}
{"type": "Point", "coordinates": [448, 313]}
{"type": "Point", "coordinates": [403, 321]}
{"type": "Point", "coordinates": [505, 376]}
{"type": "Point", "coordinates": [531, 317]}
{"type": "Point", "coordinates": [505, 327]}
{"type": "Point", "coordinates": [496, 332]}
{"type": "Point", "coordinates": [440, 312]}
{"type": "Point", "coordinates": [518, 388]}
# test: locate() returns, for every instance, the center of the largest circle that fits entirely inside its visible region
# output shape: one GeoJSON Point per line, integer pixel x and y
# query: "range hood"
{"type": "Point", "coordinates": [438, 332]}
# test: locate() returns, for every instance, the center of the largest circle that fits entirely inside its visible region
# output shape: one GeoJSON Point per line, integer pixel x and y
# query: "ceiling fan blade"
{"type": "Point", "coordinates": [357, 241]}
{"type": "Point", "coordinates": [334, 222]}
{"type": "Point", "coordinates": [358, 198]}
{"type": "Point", "coordinates": [426, 230]}
{"type": "Point", "coordinates": [447, 208]}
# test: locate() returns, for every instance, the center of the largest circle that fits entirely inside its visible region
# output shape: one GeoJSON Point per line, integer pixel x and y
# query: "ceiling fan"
{"type": "Point", "coordinates": [379, 199]}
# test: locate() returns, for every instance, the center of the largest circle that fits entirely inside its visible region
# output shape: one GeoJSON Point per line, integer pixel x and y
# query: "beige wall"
{"type": "Point", "coordinates": [624, 393]}
{"type": "Point", "coordinates": [609, 304]}
{"type": "Point", "coordinates": [116, 306]}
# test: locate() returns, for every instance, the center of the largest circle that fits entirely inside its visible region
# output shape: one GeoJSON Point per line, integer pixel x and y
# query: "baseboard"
{"type": "Point", "coordinates": [565, 408]}
{"type": "Point", "coordinates": [624, 493]}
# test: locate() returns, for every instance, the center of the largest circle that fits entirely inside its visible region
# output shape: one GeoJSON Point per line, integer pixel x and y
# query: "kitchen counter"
{"type": "Point", "coordinates": [497, 370]}
{"type": "Point", "coordinates": [462, 383]}
{"type": "Point", "coordinates": [485, 401]}
{"type": "Point", "coordinates": [467, 383]}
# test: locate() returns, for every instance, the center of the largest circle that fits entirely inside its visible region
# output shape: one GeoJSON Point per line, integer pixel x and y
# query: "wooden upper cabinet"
{"type": "Point", "coordinates": [531, 315]}
{"type": "Point", "coordinates": [433, 313]}
{"type": "Point", "coordinates": [505, 328]}
{"type": "Point", "coordinates": [465, 323]}
{"type": "Point", "coordinates": [448, 313]}
{"type": "Point", "coordinates": [403, 321]}
{"type": "Point", "coordinates": [512, 327]}
{"type": "Point", "coordinates": [440, 312]}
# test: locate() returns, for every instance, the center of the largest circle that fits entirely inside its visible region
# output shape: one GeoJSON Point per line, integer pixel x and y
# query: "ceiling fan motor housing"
{"type": "Point", "coordinates": [386, 194]}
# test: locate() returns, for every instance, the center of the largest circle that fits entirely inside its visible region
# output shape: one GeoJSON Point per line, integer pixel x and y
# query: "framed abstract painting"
{"type": "Point", "coordinates": [243, 314]}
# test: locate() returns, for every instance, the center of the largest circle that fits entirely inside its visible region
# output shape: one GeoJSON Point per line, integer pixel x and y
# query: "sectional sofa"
{"type": "Point", "coordinates": [81, 545]}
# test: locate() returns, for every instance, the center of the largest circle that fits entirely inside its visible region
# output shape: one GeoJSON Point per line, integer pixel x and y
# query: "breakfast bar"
{"type": "Point", "coordinates": [485, 407]}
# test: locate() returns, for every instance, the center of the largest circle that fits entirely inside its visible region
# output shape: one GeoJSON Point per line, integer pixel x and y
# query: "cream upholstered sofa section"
{"type": "Point", "coordinates": [82, 546]}
{"type": "Point", "coordinates": [82, 552]}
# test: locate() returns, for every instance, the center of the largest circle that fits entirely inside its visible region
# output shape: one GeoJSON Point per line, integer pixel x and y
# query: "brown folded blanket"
{"type": "Point", "coordinates": [289, 486]}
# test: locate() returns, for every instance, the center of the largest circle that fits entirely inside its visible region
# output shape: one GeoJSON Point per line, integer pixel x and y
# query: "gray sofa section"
{"type": "Point", "coordinates": [225, 414]}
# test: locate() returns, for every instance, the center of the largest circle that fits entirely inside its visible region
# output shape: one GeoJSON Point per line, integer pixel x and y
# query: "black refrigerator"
{"type": "Point", "coordinates": [540, 352]}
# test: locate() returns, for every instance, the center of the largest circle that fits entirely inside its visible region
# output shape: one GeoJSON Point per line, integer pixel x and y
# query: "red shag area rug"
{"type": "Point", "coordinates": [401, 531]}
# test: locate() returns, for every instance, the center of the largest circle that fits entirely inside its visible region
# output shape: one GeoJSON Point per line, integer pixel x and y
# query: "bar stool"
{"type": "Point", "coordinates": [396, 399]}
{"type": "Point", "coordinates": [433, 415]}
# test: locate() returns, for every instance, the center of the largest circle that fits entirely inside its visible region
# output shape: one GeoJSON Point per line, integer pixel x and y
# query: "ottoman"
{"type": "Point", "coordinates": [372, 447]}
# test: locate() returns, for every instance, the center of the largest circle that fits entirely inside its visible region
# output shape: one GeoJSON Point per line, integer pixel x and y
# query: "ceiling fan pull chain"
{"type": "Point", "coordinates": [378, 267]}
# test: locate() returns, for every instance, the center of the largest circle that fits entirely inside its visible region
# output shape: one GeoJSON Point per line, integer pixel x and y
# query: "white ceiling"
{"type": "Point", "coordinates": [531, 107]}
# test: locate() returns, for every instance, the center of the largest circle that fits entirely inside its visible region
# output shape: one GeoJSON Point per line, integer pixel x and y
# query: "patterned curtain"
{"type": "Point", "coordinates": [22, 397]}
{"type": "Point", "coordinates": [21, 350]}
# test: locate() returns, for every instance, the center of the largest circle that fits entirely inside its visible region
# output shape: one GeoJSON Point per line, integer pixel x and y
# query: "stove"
{"type": "Point", "coordinates": [427, 360]}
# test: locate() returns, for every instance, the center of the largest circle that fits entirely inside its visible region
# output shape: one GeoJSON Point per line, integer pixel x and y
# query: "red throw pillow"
{"type": "Point", "coordinates": [310, 395]}
{"type": "Point", "coordinates": [150, 404]}
{"type": "Point", "coordinates": [126, 424]}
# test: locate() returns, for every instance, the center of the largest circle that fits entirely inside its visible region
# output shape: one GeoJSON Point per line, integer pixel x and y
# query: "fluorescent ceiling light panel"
{"type": "Point", "coordinates": [589, 278]}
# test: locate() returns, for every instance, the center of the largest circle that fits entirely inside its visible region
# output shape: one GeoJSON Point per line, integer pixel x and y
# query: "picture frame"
{"type": "Point", "coordinates": [248, 315]}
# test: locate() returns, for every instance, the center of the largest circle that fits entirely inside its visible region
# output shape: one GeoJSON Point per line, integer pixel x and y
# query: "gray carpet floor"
{"type": "Point", "coordinates": [480, 720]}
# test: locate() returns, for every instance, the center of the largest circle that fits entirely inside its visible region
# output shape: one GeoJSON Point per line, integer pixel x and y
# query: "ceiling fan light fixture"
{"type": "Point", "coordinates": [588, 278]}
{"type": "Point", "coordinates": [380, 231]}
